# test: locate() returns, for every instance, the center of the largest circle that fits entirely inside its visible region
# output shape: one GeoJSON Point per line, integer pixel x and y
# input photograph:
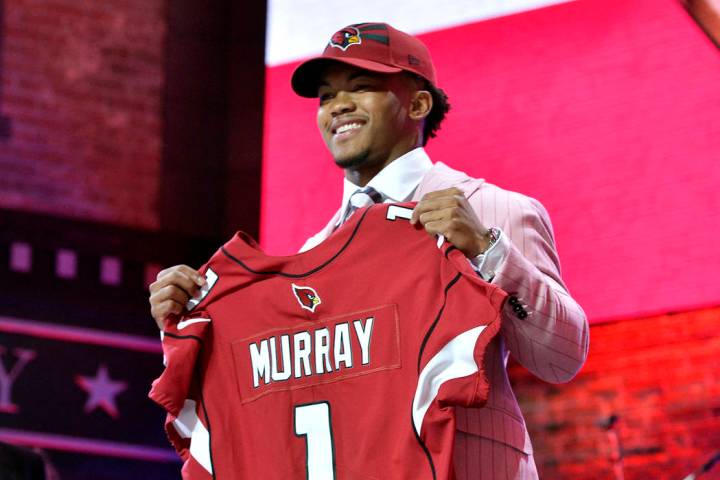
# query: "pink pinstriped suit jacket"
{"type": "Point", "coordinates": [552, 341]}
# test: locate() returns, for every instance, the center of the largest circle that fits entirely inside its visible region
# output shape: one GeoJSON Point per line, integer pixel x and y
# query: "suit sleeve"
{"type": "Point", "coordinates": [551, 337]}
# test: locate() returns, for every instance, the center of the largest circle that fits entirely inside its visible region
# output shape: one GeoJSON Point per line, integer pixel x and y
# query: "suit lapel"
{"type": "Point", "coordinates": [441, 177]}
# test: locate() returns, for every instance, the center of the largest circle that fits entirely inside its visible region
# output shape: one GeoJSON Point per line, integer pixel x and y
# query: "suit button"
{"type": "Point", "coordinates": [522, 315]}
{"type": "Point", "coordinates": [513, 300]}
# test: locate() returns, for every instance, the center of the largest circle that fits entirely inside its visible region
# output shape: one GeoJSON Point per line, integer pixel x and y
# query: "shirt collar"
{"type": "Point", "coordinates": [398, 180]}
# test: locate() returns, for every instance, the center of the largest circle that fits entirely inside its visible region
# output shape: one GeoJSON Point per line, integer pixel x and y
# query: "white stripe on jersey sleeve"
{"type": "Point", "coordinates": [188, 425]}
{"type": "Point", "coordinates": [455, 360]}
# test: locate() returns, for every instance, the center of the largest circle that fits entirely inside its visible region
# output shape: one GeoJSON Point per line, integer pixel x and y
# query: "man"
{"type": "Point", "coordinates": [378, 105]}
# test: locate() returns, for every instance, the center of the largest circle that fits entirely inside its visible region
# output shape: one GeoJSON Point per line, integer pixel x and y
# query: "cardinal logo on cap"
{"type": "Point", "coordinates": [342, 39]}
{"type": "Point", "coordinates": [307, 297]}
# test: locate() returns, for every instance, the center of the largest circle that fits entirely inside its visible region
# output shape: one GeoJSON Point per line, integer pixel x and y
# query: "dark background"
{"type": "Point", "coordinates": [209, 179]}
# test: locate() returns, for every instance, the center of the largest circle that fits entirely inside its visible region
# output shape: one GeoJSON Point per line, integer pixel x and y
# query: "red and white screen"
{"type": "Point", "coordinates": [604, 110]}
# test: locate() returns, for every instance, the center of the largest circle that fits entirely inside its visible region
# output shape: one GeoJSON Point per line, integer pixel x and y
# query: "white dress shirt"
{"type": "Point", "coordinates": [396, 183]}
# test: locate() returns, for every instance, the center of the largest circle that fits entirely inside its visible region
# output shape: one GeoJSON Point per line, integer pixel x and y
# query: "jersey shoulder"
{"type": "Point", "coordinates": [220, 265]}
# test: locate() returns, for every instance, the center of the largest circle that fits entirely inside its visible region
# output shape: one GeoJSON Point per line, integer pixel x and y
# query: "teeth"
{"type": "Point", "coordinates": [348, 126]}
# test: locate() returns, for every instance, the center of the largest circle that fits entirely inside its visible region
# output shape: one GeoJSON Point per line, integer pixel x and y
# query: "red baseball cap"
{"type": "Point", "coordinates": [377, 47]}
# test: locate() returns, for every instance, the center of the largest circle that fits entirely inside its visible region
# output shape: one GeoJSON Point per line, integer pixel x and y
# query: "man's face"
{"type": "Point", "coordinates": [363, 116]}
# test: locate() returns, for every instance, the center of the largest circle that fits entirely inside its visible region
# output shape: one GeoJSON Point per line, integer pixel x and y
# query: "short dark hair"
{"type": "Point", "coordinates": [441, 106]}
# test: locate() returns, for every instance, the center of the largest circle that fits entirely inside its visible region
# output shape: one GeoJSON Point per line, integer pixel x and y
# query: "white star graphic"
{"type": "Point", "coordinates": [102, 391]}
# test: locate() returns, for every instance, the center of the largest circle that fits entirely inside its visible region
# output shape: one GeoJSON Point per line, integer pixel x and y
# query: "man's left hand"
{"type": "Point", "coordinates": [448, 213]}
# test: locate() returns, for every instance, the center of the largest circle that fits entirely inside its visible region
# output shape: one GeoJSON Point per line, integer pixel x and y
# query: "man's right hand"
{"type": "Point", "coordinates": [171, 290]}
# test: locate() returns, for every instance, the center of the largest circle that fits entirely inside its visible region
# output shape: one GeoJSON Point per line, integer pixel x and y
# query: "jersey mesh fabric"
{"type": "Point", "coordinates": [341, 362]}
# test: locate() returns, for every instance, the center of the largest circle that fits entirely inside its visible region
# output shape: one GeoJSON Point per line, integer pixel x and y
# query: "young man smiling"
{"type": "Point", "coordinates": [378, 105]}
{"type": "Point", "coordinates": [368, 120]}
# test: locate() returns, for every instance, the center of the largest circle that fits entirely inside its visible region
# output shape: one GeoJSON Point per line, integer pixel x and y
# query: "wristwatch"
{"type": "Point", "coordinates": [492, 236]}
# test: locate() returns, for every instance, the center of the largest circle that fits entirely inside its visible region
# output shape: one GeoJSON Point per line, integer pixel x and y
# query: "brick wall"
{"type": "Point", "coordinates": [659, 375]}
{"type": "Point", "coordinates": [82, 88]}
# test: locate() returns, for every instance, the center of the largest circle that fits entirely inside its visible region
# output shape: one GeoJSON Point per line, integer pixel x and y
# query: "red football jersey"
{"type": "Point", "coordinates": [343, 362]}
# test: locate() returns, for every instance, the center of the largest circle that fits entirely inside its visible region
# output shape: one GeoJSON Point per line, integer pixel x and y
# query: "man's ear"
{"type": "Point", "coordinates": [420, 105]}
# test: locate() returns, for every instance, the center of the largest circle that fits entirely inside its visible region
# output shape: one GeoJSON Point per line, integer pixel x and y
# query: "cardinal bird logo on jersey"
{"type": "Point", "coordinates": [307, 297]}
{"type": "Point", "coordinates": [342, 39]}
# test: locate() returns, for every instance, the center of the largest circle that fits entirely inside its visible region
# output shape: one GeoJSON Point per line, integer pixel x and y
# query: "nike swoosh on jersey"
{"type": "Point", "coordinates": [186, 323]}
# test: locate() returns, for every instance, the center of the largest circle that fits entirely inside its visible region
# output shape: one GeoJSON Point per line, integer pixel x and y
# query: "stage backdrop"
{"type": "Point", "coordinates": [604, 110]}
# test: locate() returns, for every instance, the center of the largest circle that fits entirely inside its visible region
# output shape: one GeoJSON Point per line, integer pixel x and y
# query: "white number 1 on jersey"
{"type": "Point", "coordinates": [396, 211]}
{"type": "Point", "coordinates": [312, 421]}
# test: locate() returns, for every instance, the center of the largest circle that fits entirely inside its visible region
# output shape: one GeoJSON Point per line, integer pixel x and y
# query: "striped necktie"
{"type": "Point", "coordinates": [363, 197]}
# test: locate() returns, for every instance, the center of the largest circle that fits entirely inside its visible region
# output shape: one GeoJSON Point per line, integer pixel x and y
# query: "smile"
{"type": "Point", "coordinates": [347, 128]}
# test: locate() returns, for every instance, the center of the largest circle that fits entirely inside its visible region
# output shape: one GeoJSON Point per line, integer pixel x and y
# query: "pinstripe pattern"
{"type": "Point", "coordinates": [552, 342]}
